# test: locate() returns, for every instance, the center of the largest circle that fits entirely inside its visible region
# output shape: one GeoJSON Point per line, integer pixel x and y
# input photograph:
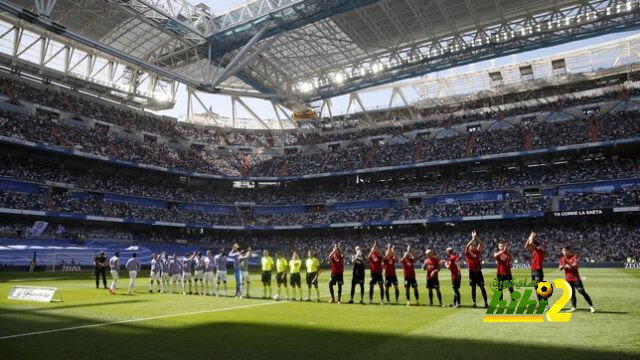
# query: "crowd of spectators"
{"type": "Point", "coordinates": [514, 137]}
{"type": "Point", "coordinates": [438, 182]}
{"type": "Point", "coordinates": [71, 202]}
{"type": "Point", "coordinates": [593, 241]}
{"type": "Point", "coordinates": [627, 196]}
{"type": "Point", "coordinates": [40, 128]}
{"type": "Point", "coordinates": [464, 112]}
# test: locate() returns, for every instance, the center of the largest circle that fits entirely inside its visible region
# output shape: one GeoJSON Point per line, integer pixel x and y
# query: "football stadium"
{"type": "Point", "coordinates": [320, 179]}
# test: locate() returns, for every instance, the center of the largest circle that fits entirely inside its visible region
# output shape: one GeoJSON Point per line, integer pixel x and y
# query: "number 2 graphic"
{"type": "Point", "coordinates": [554, 314]}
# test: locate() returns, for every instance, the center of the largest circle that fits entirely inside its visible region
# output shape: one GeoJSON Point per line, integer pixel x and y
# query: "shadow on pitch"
{"type": "Point", "coordinates": [177, 337]}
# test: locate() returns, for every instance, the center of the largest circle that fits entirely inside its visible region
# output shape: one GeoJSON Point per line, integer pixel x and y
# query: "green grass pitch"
{"type": "Point", "coordinates": [162, 326]}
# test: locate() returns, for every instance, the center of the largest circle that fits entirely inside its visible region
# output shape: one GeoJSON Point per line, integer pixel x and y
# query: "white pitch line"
{"type": "Point", "coordinates": [137, 320]}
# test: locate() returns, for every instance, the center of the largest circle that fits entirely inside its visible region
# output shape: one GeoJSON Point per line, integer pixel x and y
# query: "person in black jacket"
{"type": "Point", "coordinates": [100, 268]}
{"type": "Point", "coordinates": [359, 263]}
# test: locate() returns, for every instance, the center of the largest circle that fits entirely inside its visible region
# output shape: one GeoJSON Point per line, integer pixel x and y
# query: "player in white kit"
{"type": "Point", "coordinates": [244, 265]}
{"type": "Point", "coordinates": [175, 271]}
{"type": "Point", "coordinates": [114, 266]}
{"type": "Point", "coordinates": [164, 261]}
{"type": "Point", "coordinates": [221, 265]}
{"type": "Point", "coordinates": [187, 264]}
{"type": "Point", "coordinates": [198, 265]}
{"type": "Point", "coordinates": [209, 268]}
{"type": "Point", "coordinates": [133, 266]}
{"type": "Point", "coordinates": [156, 273]}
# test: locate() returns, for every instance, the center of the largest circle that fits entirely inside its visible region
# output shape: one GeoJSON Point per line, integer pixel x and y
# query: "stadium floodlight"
{"type": "Point", "coordinates": [376, 67]}
{"type": "Point", "coordinates": [305, 86]}
{"type": "Point", "coordinates": [339, 77]}
{"type": "Point", "coordinates": [161, 96]}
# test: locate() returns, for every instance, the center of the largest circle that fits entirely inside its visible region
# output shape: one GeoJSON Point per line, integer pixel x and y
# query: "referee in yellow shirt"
{"type": "Point", "coordinates": [313, 272]}
{"type": "Point", "coordinates": [294, 269]}
{"type": "Point", "coordinates": [281, 274]}
{"type": "Point", "coordinates": [267, 266]}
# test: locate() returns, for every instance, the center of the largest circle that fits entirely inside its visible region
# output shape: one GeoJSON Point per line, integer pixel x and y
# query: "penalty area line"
{"type": "Point", "coordinates": [139, 320]}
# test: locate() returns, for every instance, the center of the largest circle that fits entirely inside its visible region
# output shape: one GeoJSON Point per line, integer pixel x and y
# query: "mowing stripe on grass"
{"type": "Point", "coordinates": [138, 320]}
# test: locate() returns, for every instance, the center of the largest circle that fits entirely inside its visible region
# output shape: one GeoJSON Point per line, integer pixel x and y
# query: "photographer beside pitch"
{"type": "Point", "coordinates": [100, 268]}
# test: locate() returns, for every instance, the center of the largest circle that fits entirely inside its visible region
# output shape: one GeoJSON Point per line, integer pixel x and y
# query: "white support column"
{"type": "Point", "coordinates": [349, 104]}
{"type": "Point", "coordinates": [174, 89]}
{"type": "Point", "coordinates": [275, 110]}
{"type": "Point", "coordinates": [44, 46]}
{"type": "Point", "coordinates": [17, 38]}
{"type": "Point", "coordinates": [189, 105]}
{"type": "Point", "coordinates": [91, 63]}
{"type": "Point", "coordinates": [234, 114]}
{"type": "Point", "coordinates": [404, 99]}
{"type": "Point", "coordinates": [356, 97]}
{"type": "Point", "coordinates": [394, 92]}
{"type": "Point", "coordinates": [206, 109]}
{"type": "Point", "coordinates": [326, 103]}
{"type": "Point", "coordinates": [68, 54]}
{"type": "Point", "coordinates": [112, 71]}
{"type": "Point", "coordinates": [244, 105]}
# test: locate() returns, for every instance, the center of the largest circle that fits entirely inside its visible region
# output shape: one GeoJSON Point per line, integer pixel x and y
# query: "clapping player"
{"type": "Point", "coordinates": [390, 277]}
{"type": "Point", "coordinates": [453, 264]}
{"type": "Point", "coordinates": [503, 265]}
{"type": "Point", "coordinates": [409, 272]}
{"type": "Point", "coordinates": [337, 270]}
{"type": "Point", "coordinates": [375, 265]}
{"type": "Point", "coordinates": [432, 267]}
{"type": "Point", "coordinates": [537, 258]}
{"type": "Point", "coordinates": [569, 263]}
{"type": "Point", "coordinates": [473, 254]}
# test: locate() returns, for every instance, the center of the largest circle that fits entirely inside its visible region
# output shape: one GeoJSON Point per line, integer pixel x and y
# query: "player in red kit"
{"type": "Point", "coordinates": [390, 276]}
{"type": "Point", "coordinates": [569, 263]}
{"type": "Point", "coordinates": [432, 266]}
{"type": "Point", "coordinates": [503, 264]}
{"type": "Point", "coordinates": [375, 264]}
{"type": "Point", "coordinates": [453, 264]}
{"type": "Point", "coordinates": [337, 270]}
{"type": "Point", "coordinates": [537, 258]}
{"type": "Point", "coordinates": [409, 272]}
{"type": "Point", "coordinates": [473, 254]}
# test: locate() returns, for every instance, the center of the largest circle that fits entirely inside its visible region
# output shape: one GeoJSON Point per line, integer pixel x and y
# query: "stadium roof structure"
{"type": "Point", "coordinates": [292, 52]}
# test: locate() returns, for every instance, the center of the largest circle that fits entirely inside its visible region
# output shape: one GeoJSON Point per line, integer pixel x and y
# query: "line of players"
{"type": "Point", "coordinates": [169, 269]}
{"type": "Point", "coordinates": [193, 274]}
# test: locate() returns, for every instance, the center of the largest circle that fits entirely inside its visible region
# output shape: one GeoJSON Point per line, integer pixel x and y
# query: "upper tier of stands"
{"type": "Point", "coordinates": [98, 128]}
